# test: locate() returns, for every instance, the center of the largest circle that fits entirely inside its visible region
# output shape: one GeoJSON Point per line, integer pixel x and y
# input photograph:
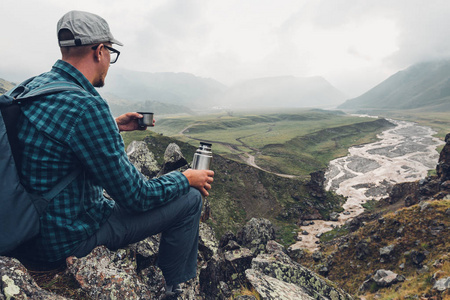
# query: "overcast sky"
{"type": "Point", "coordinates": [354, 44]}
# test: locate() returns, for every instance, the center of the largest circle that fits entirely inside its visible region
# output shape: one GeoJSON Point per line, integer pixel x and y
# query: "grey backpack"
{"type": "Point", "coordinates": [19, 210]}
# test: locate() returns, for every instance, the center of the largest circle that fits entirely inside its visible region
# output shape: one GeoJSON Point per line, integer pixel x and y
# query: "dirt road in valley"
{"type": "Point", "coordinates": [403, 153]}
{"type": "Point", "coordinates": [247, 158]}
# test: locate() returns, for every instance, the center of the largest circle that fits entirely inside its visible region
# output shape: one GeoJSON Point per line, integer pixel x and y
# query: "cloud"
{"type": "Point", "coordinates": [353, 44]}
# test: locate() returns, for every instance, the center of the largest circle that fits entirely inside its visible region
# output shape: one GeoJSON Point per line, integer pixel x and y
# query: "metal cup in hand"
{"type": "Point", "coordinates": [147, 120]}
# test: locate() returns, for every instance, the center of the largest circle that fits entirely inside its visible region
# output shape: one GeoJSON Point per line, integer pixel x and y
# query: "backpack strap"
{"type": "Point", "coordinates": [19, 89]}
{"type": "Point", "coordinates": [20, 93]}
{"type": "Point", "coordinates": [23, 93]}
{"type": "Point", "coordinates": [62, 184]}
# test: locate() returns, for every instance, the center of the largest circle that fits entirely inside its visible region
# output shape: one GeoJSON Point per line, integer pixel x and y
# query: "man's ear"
{"type": "Point", "coordinates": [99, 53]}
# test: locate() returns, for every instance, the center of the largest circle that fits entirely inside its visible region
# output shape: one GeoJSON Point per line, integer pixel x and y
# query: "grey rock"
{"type": "Point", "coordinates": [246, 297]}
{"type": "Point", "coordinates": [228, 267]}
{"type": "Point", "coordinates": [271, 288]}
{"type": "Point", "coordinates": [317, 256]}
{"type": "Point", "coordinates": [272, 247]}
{"type": "Point", "coordinates": [295, 253]}
{"type": "Point", "coordinates": [225, 289]}
{"type": "Point", "coordinates": [226, 238]}
{"type": "Point", "coordinates": [255, 234]}
{"type": "Point", "coordinates": [103, 276]}
{"type": "Point", "coordinates": [207, 243]}
{"type": "Point", "coordinates": [173, 159]}
{"type": "Point", "coordinates": [16, 283]}
{"type": "Point", "coordinates": [232, 245]}
{"type": "Point", "coordinates": [387, 252]}
{"type": "Point", "coordinates": [362, 250]}
{"type": "Point", "coordinates": [442, 284]}
{"type": "Point", "coordinates": [334, 216]}
{"type": "Point", "coordinates": [142, 159]}
{"type": "Point", "coordinates": [417, 257]}
{"type": "Point", "coordinates": [280, 267]}
{"type": "Point", "coordinates": [146, 251]}
{"type": "Point", "coordinates": [382, 278]}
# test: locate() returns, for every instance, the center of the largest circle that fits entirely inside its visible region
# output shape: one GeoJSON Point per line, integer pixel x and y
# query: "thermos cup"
{"type": "Point", "coordinates": [146, 121]}
{"type": "Point", "coordinates": [202, 157]}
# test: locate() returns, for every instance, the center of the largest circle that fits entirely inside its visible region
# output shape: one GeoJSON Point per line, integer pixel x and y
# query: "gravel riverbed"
{"type": "Point", "coordinates": [403, 153]}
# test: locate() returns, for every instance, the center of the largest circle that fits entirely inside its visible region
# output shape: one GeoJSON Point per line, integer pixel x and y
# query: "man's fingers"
{"type": "Point", "coordinates": [204, 192]}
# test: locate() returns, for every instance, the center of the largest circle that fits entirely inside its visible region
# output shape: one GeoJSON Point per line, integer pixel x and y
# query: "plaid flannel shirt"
{"type": "Point", "coordinates": [68, 130]}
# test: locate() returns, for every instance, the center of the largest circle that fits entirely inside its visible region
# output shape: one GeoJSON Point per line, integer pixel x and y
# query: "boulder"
{"type": "Point", "coordinates": [173, 159]}
{"type": "Point", "coordinates": [271, 288]}
{"type": "Point", "coordinates": [386, 253]}
{"type": "Point", "coordinates": [279, 266]}
{"type": "Point", "coordinates": [16, 282]}
{"type": "Point", "coordinates": [382, 278]}
{"type": "Point", "coordinates": [443, 167]}
{"type": "Point", "coordinates": [142, 159]}
{"type": "Point", "coordinates": [442, 285]}
{"type": "Point", "coordinates": [111, 275]}
{"type": "Point", "coordinates": [255, 234]}
{"type": "Point", "coordinates": [417, 257]}
{"type": "Point", "coordinates": [334, 216]}
{"type": "Point", "coordinates": [362, 250]}
{"type": "Point", "coordinates": [229, 268]}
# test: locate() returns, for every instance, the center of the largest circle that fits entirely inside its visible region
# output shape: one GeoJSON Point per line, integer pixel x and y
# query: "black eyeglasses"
{"type": "Point", "coordinates": [114, 54]}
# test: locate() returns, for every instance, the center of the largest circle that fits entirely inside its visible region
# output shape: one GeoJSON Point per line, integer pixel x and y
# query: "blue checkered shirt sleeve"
{"type": "Point", "coordinates": [99, 147]}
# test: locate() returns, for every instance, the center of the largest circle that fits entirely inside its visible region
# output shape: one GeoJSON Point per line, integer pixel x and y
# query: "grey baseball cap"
{"type": "Point", "coordinates": [87, 29]}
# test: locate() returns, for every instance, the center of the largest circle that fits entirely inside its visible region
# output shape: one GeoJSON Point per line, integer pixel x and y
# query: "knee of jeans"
{"type": "Point", "coordinates": [196, 197]}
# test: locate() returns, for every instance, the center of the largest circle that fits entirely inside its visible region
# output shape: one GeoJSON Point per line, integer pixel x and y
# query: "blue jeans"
{"type": "Point", "coordinates": [178, 221]}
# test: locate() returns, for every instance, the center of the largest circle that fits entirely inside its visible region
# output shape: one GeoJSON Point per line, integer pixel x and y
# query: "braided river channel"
{"type": "Point", "coordinates": [403, 153]}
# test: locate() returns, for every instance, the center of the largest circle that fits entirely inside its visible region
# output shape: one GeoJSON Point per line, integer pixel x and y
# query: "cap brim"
{"type": "Point", "coordinates": [114, 41]}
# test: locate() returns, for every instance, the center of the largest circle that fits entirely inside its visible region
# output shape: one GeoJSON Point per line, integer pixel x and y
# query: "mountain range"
{"type": "Point", "coordinates": [424, 86]}
{"type": "Point", "coordinates": [194, 92]}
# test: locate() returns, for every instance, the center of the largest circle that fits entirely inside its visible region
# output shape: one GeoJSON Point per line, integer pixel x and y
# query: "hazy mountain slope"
{"type": "Point", "coordinates": [286, 91]}
{"type": "Point", "coordinates": [120, 106]}
{"type": "Point", "coordinates": [5, 86]}
{"type": "Point", "coordinates": [176, 88]}
{"type": "Point", "coordinates": [425, 86]}
{"type": "Point", "coordinates": [183, 89]}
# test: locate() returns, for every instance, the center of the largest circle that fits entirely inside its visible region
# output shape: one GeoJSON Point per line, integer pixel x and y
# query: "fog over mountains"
{"type": "Point", "coordinates": [285, 91]}
{"type": "Point", "coordinates": [183, 89]}
{"type": "Point", "coordinates": [424, 86]}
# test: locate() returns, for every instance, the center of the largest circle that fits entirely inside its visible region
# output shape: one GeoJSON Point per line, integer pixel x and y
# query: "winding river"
{"type": "Point", "coordinates": [403, 153]}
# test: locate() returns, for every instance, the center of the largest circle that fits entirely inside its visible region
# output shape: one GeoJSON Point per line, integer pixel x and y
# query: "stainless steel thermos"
{"type": "Point", "coordinates": [202, 157]}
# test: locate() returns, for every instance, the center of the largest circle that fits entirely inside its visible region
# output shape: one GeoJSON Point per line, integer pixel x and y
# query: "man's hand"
{"type": "Point", "coordinates": [128, 122]}
{"type": "Point", "coordinates": [200, 179]}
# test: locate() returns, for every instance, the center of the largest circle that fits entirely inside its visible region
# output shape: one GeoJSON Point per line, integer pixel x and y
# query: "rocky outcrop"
{"type": "Point", "coordinates": [173, 159]}
{"type": "Point", "coordinates": [277, 264]}
{"type": "Point", "coordinates": [16, 282]}
{"type": "Point", "coordinates": [266, 269]}
{"type": "Point", "coordinates": [131, 273]}
{"type": "Point", "coordinates": [443, 167]}
{"type": "Point", "coordinates": [104, 274]}
{"type": "Point", "coordinates": [142, 159]}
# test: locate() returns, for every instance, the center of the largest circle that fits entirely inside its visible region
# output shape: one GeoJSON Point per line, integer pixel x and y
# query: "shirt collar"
{"type": "Point", "coordinates": [67, 69]}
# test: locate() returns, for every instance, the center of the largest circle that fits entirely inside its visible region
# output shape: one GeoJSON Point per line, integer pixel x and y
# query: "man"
{"type": "Point", "coordinates": [75, 129]}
